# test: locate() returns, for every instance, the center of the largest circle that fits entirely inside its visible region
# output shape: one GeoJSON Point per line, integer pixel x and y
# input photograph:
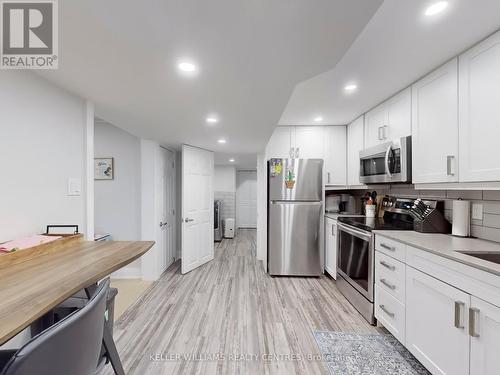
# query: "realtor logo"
{"type": "Point", "coordinates": [28, 34]}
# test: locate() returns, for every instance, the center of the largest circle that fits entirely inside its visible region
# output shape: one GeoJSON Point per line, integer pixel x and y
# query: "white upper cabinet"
{"type": "Point", "coordinates": [335, 144]}
{"type": "Point", "coordinates": [304, 142]}
{"type": "Point", "coordinates": [484, 329]}
{"type": "Point", "coordinates": [399, 115]}
{"type": "Point", "coordinates": [479, 116]}
{"type": "Point", "coordinates": [309, 142]}
{"type": "Point", "coordinates": [390, 120]}
{"type": "Point", "coordinates": [355, 143]}
{"type": "Point", "coordinates": [435, 126]}
{"type": "Point", "coordinates": [280, 143]}
{"type": "Point", "coordinates": [376, 122]}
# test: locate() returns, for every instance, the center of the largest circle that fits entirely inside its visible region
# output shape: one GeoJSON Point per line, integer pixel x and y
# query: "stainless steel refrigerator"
{"type": "Point", "coordinates": [295, 207]}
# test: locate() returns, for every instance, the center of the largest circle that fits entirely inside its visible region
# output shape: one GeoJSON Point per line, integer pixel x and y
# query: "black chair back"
{"type": "Point", "coordinates": [69, 347]}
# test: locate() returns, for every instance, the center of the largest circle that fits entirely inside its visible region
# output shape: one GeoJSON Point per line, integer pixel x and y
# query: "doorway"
{"type": "Point", "coordinates": [166, 205]}
{"type": "Point", "coordinates": [246, 199]}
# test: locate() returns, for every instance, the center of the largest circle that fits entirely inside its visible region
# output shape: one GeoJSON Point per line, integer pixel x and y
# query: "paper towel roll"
{"type": "Point", "coordinates": [461, 218]}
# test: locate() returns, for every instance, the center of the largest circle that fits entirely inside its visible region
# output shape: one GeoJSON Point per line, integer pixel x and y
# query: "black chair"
{"type": "Point", "coordinates": [70, 346]}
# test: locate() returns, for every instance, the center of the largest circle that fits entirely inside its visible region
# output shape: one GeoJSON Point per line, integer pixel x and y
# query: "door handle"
{"type": "Point", "coordinates": [163, 224]}
{"type": "Point", "coordinates": [187, 220]}
{"type": "Point", "coordinates": [379, 133]}
{"type": "Point", "coordinates": [387, 247]}
{"type": "Point", "coordinates": [473, 312]}
{"type": "Point", "coordinates": [387, 171]}
{"type": "Point", "coordinates": [382, 307]}
{"type": "Point", "coordinates": [450, 165]}
{"type": "Point", "coordinates": [459, 306]}
{"type": "Point", "coordinates": [387, 265]}
{"type": "Point", "coordinates": [390, 286]}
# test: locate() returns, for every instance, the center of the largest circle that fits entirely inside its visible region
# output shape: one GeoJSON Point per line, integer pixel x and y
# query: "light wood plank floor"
{"type": "Point", "coordinates": [230, 307]}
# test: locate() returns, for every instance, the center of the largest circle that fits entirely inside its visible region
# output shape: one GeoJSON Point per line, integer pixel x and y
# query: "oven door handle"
{"type": "Point", "coordinates": [354, 232]}
{"type": "Point", "coordinates": [387, 169]}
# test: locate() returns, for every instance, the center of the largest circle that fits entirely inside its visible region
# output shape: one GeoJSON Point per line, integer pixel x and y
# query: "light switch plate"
{"type": "Point", "coordinates": [74, 186]}
{"type": "Point", "coordinates": [477, 211]}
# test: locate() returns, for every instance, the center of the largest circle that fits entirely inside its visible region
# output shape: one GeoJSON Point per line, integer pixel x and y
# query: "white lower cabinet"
{"type": "Point", "coordinates": [390, 312]}
{"type": "Point", "coordinates": [331, 247]}
{"type": "Point", "coordinates": [436, 324]}
{"type": "Point", "coordinates": [484, 329]}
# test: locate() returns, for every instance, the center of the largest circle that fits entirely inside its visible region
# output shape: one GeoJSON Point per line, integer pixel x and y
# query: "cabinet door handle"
{"type": "Point", "coordinates": [459, 308]}
{"type": "Point", "coordinates": [382, 307]}
{"type": "Point", "coordinates": [390, 286]}
{"type": "Point", "coordinates": [387, 265]}
{"type": "Point", "coordinates": [384, 131]}
{"type": "Point", "coordinates": [328, 173]}
{"type": "Point", "coordinates": [473, 313]}
{"type": "Point", "coordinates": [387, 247]}
{"type": "Point", "coordinates": [450, 165]}
{"type": "Point", "coordinates": [380, 133]}
{"type": "Point", "coordinates": [297, 153]}
{"type": "Point", "coordinates": [292, 153]}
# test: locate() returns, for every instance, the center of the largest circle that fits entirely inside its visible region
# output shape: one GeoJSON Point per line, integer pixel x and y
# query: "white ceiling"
{"type": "Point", "coordinates": [398, 46]}
{"type": "Point", "coordinates": [122, 55]}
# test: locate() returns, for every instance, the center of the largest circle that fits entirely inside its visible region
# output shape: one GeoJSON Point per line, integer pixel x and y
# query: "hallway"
{"type": "Point", "coordinates": [229, 317]}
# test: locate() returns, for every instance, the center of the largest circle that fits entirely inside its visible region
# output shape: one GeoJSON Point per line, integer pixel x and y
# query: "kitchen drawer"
{"type": "Point", "coordinates": [390, 247]}
{"type": "Point", "coordinates": [390, 313]}
{"type": "Point", "coordinates": [390, 275]}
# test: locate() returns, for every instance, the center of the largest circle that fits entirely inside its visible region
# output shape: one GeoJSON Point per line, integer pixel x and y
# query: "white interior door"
{"type": "Point", "coordinates": [165, 191]}
{"type": "Point", "coordinates": [197, 245]}
{"type": "Point", "coordinates": [246, 199]}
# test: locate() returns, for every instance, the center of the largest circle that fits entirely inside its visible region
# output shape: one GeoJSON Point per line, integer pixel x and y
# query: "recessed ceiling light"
{"type": "Point", "coordinates": [436, 8]}
{"type": "Point", "coordinates": [231, 160]}
{"type": "Point", "coordinates": [212, 120]}
{"type": "Point", "coordinates": [222, 141]}
{"type": "Point", "coordinates": [318, 119]}
{"type": "Point", "coordinates": [350, 87]}
{"type": "Point", "coordinates": [187, 67]}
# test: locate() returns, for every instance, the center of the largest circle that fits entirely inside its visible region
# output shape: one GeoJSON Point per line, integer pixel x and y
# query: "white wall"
{"type": "Point", "coordinates": [117, 204]}
{"type": "Point", "coordinates": [262, 209]}
{"type": "Point", "coordinates": [42, 134]}
{"type": "Point", "coordinates": [246, 199]}
{"type": "Point", "coordinates": [225, 178]}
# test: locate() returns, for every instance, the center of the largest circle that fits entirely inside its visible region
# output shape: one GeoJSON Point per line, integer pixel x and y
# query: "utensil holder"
{"type": "Point", "coordinates": [434, 222]}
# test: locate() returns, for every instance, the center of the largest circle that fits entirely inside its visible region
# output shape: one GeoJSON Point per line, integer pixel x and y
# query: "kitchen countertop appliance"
{"type": "Point", "coordinates": [356, 251]}
{"type": "Point", "coordinates": [386, 163]}
{"type": "Point", "coordinates": [295, 208]}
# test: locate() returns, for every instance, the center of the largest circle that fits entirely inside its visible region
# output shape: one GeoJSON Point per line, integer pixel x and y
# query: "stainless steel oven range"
{"type": "Point", "coordinates": [356, 252]}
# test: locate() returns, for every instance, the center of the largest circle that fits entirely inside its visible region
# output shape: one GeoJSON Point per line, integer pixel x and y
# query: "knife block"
{"type": "Point", "coordinates": [434, 222]}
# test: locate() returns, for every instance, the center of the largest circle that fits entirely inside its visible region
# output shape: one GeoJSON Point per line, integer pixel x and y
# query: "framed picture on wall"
{"type": "Point", "coordinates": [104, 169]}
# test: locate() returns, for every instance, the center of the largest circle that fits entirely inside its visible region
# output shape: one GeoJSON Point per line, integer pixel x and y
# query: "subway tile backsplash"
{"type": "Point", "coordinates": [487, 228]}
{"type": "Point", "coordinates": [228, 203]}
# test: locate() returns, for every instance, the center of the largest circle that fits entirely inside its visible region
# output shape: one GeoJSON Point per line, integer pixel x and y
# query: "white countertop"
{"type": "Point", "coordinates": [448, 246]}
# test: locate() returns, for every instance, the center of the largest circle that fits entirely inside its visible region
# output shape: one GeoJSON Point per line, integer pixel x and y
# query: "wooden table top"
{"type": "Point", "coordinates": [34, 282]}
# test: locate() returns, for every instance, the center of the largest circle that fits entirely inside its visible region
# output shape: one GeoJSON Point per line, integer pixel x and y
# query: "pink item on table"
{"type": "Point", "coordinates": [27, 242]}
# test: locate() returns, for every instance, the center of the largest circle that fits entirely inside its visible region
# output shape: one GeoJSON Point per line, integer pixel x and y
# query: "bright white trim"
{"type": "Point", "coordinates": [88, 170]}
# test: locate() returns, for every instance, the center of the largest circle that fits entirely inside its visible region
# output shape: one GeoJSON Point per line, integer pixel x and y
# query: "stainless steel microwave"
{"type": "Point", "coordinates": [386, 163]}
